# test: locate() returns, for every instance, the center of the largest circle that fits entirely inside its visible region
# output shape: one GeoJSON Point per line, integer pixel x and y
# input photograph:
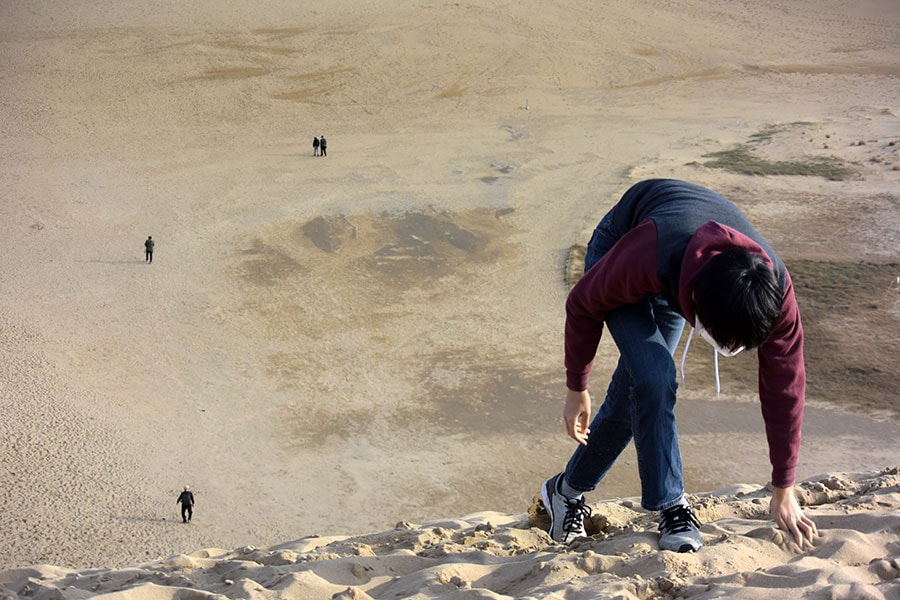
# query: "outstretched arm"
{"type": "Point", "coordinates": [782, 390]}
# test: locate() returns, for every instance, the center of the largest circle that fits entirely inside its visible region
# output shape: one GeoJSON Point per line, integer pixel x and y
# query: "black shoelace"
{"type": "Point", "coordinates": [576, 511]}
{"type": "Point", "coordinates": [678, 519]}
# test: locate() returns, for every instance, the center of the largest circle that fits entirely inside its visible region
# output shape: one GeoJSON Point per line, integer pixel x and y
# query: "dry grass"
{"type": "Point", "coordinates": [740, 159]}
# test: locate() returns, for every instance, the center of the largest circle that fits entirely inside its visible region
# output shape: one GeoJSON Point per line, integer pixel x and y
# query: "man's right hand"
{"type": "Point", "coordinates": [577, 413]}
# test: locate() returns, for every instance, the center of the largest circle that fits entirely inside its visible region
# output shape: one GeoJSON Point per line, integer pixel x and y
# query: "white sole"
{"type": "Point", "coordinates": [547, 506]}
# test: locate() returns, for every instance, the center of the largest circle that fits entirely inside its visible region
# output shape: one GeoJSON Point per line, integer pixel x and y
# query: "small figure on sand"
{"type": "Point", "coordinates": [323, 145]}
{"type": "Point", "coordinates": [148, 249]}
{"type": "Point", "coordinates": [186, 499]}
{"type": "Point", "coordinates": [315, 146]}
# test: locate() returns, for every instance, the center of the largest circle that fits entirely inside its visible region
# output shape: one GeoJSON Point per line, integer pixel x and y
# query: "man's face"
{"type": "Point", "coordinates": [727, 352]}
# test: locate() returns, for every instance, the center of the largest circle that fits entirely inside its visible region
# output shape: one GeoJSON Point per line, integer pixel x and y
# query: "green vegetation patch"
{"type": "Point", "coordinates": [741, 160]}
{"type": "Point", "coordinates": [772, 130]}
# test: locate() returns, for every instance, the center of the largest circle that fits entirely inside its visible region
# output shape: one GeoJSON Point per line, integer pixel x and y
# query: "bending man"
{"type": "Point", "coordinates": [668, 253]}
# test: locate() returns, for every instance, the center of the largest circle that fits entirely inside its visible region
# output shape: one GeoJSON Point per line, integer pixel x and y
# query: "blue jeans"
{"type": "Point", "coordinates": [640, 400]}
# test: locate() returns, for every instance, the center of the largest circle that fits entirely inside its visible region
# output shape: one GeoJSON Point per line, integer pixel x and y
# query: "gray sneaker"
{"type": "Point", "coordinates": [679, 529]}
{"type": "Point", "coordinates": [566, 514]}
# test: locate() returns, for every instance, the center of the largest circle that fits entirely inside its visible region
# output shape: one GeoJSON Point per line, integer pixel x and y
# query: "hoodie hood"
{"type": "Point", "coordinates": [710, 240]}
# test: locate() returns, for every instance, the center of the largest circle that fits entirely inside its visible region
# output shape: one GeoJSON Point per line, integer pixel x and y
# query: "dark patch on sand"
{"type": "Point", "coordinates": [475, 402]}
{"type": "Point", "coordinates": [515, 134]}
{"type": "Point", "coordinates": [265, 265]}
{"type": "Point", "coordinates": [329, 233]}
{"type": "Point", "coordinates": [409, 249]}
{"type": "Point", "coordinates": [745, 161]}
{"type": "Point", "coordinates": [479, 397]}
{"type": "Point", "coordinates": [412, 248]}
{"type": "Point", "coordinates": [502, 169]}
{"type": "Point", "coordinates": [376, 280]}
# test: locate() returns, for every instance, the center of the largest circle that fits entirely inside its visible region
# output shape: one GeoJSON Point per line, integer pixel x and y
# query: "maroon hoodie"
{"type": "Point", "coordinates": [669, 231]}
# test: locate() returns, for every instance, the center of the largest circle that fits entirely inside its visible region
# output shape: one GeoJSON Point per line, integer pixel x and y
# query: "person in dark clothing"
{"type": "Point", "coordinates": [315, 146]}
{"type": "Point", "coordinates": [323, 145]}
{"type": "Point", "coordinates": [186, 499]}
{"type": "Point", "coordinates": [148, 249]}
{"type": "Point", "coordinates": [669, 253]}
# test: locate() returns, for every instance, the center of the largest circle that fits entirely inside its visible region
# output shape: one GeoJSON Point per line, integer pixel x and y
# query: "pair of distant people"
{"type": "Point", "coordinates": [320, 146]}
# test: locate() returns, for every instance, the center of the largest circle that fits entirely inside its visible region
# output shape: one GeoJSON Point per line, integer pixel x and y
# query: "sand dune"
{"type": "Point", "coordinates": [328, 346]}
{"type": "Point", "coordinates": [493, 555]}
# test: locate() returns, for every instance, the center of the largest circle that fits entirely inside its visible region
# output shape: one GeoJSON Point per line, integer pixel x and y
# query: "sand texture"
{"type": "Point", "coordinates": [493, 555]}
{"type": "Point", "coordinates": [329, 346]}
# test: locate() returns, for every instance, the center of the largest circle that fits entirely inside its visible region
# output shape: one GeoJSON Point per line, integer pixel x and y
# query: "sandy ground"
{"type": "Point", "coordinates": [329, 346]}
{"type": "Point", "coordinates": [492, 556]}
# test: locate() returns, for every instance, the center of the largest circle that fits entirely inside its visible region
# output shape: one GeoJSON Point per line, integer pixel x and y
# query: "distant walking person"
{"type": "Point", "coordinates": [323, 145]}
{"type": "Point", "coordinates": [186, 499]}
{"type": "Point", "coordinates": [315, 146]}
{"type": "Point", "coordinates": [148, 249]}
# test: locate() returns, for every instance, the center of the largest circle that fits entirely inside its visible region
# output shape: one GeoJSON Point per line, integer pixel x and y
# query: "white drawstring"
{"type": "Point", "coordinates": [718, 387]}
{"type": "Point", "coordinates": [687, 345]}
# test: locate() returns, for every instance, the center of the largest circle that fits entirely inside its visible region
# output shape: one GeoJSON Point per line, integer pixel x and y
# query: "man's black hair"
{"type": "Point", "coordinates": [738, 299]}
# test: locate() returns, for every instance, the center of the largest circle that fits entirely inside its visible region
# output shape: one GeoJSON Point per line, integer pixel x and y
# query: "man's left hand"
{"type": "Point", "coordinates": [788, 515]}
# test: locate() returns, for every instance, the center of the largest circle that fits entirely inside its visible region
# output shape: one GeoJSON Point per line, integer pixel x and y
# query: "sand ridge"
{"type": "Point", "coordinates": [493, 555]}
